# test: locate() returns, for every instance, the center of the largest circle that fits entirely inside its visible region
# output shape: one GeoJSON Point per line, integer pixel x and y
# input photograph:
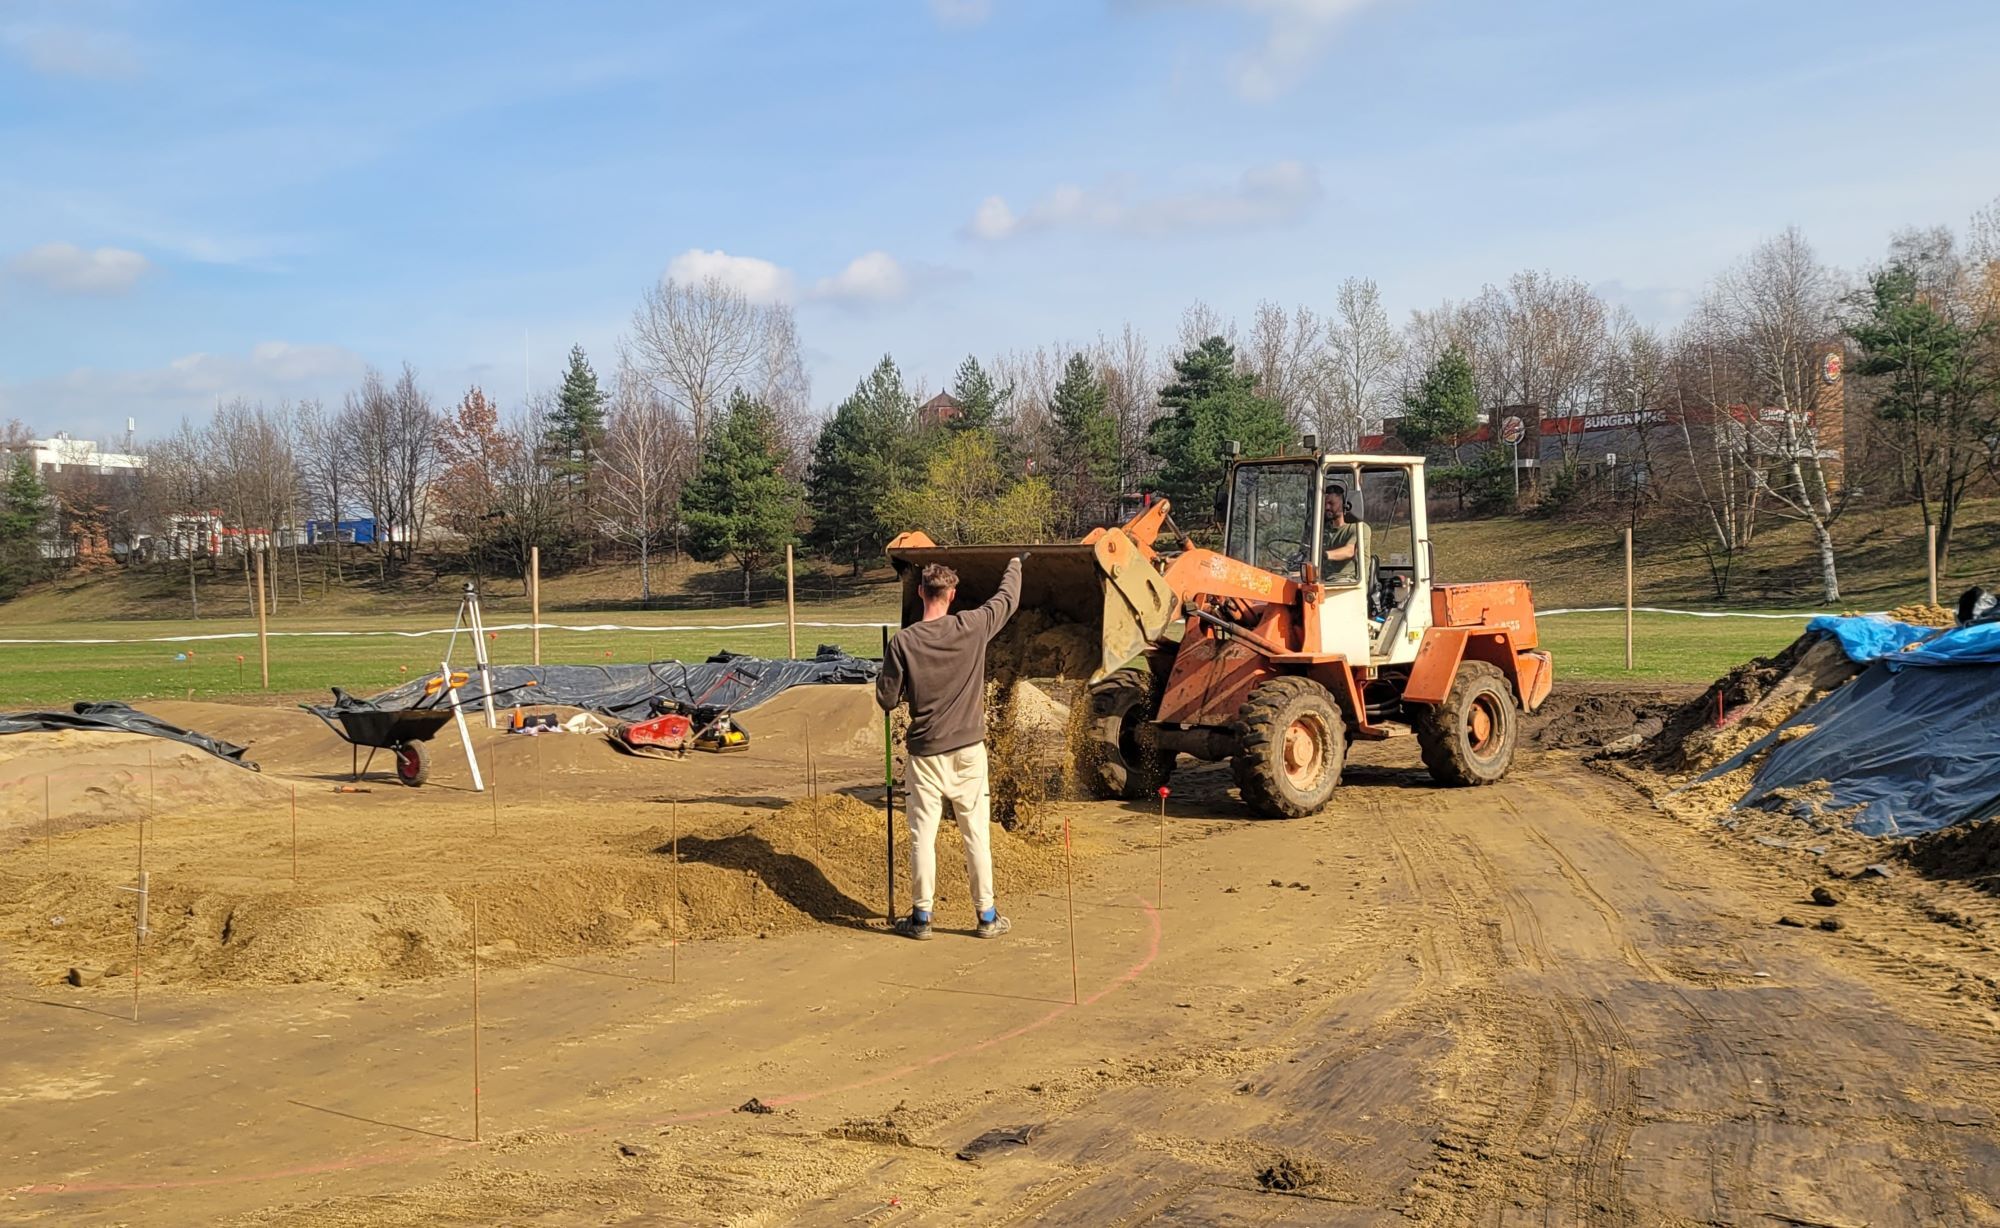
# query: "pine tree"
{"type": "Point", "coordinates": [1443, 411]}
{"type": "Point", "coordinates": [867, 452]}
{"type": "Point", "coordinates": [983, 401]}
{"type": "Point", "coordinates": [576, 424]}
{"type": "Point", "coordinates": [1085, 436]}
{"type": "Point", "coordinates": [740, 504]}
{"type": "Point", "coordinates": [1209, 401]}
{"type": "Point", "coordinates": [24, 508]}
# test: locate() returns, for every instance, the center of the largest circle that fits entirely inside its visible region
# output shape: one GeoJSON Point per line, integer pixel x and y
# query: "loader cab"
{"type": "Point", "coordinates": [1281, 517]}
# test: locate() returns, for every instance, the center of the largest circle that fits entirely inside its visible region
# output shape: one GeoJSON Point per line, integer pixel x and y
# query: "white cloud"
{"type": "Point", "coordinates": [1264, 196]}
{"type": "Point", "coordinates": [1296, 33]}
{"type": "Point", "coordinates": [961, 12]}
{"type": "Point", "coordinates": [876, 277]}
{"type": "Point", "coordinates": [65, 51]}
{"type": "Point", "coordinates": [760, 281]}
{"type": "Point", "coordinates": [89, 402]}
{"type": "Point", "coordinates": [68, 269]}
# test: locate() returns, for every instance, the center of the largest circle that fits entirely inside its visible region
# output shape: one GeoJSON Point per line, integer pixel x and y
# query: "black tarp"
{"type": "Point", "coordinates": [1914, 749]}
{"type": "Point", "coordinates": [626, 692]}
{"type": "Point", "coordinates": [119, 718]}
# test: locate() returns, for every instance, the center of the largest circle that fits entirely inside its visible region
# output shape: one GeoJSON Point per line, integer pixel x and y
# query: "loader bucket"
{"type": "Point", "coordinates": [1106, 585]}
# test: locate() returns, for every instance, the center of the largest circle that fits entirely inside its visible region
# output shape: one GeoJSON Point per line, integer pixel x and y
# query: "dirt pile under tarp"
{"type": "Point", "coordinates": [814, 861]}
{"type": "Point", "coordinates": [1745, 704]}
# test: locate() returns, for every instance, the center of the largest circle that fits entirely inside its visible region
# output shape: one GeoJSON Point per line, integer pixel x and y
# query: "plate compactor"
{"type": "Point", "coordinates": [678, 725]}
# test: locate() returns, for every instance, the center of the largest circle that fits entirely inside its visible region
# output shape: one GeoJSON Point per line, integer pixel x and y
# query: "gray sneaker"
{"type": "Point", "coordinates": [994, 928]}
{"type": "Point", "coordinates": [916, 925]}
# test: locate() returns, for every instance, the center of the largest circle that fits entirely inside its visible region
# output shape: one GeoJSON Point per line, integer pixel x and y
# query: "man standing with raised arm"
{"type": "Point", "coordinates": [938, 664]}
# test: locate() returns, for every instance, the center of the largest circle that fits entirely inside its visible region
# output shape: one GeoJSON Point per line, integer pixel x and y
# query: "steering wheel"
{"type": "Point", "coordinates": [1293, 560]}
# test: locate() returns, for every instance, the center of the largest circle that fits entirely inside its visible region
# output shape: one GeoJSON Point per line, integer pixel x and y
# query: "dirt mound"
{"type": "Point", "coordinates": [1575, 718]}
{"type": "Point", "coordinates": [1747, 703]}
{"type": "Point", "coordinates": [1969, 852]}
{"type": "Point", "coordinates": [809, 863]}
{"type": "Point", "coordinates": [71, 779]}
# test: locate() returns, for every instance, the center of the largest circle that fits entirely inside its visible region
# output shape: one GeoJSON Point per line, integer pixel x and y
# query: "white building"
{"type": "Point", "coordinates": [61, 454]}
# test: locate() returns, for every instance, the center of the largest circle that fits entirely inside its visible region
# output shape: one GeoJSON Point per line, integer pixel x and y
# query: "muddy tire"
{"type": "Point", "coordinates": [1127, 764]}
{"type": "Point", "coordinates": [1291, 743]}
{"type": "Point", "coordinates": [413, 765]}
{"type": "Point", "coordinates": [1469, 739]}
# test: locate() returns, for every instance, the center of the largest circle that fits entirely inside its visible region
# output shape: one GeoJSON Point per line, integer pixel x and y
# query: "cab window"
{"type": "Point", "coordinates": [1271, 516]}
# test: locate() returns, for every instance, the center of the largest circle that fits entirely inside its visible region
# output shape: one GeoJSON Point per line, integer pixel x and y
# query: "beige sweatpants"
{"type": "Point", "coordinates": [958, 777]}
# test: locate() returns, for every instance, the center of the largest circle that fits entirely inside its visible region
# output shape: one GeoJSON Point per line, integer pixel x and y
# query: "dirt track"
{"type": "Point", "coordinates": [1543, 1003]}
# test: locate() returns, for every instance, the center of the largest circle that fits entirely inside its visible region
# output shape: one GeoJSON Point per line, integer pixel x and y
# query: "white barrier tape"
{"type": "Point", "coordinates": [1649, 609]}
{"type": "Point", "coordinates": [411, 635]}
{"type": "Point", "coordinates": [690, 628]}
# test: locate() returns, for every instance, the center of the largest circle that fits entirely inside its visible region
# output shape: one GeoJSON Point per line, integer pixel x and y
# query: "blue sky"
{"type": "Point", "coordinates": [203, 201]}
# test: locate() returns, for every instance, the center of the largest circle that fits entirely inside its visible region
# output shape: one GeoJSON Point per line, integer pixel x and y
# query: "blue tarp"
{"type": "Point", "coordinates": [1872, 637]}
{"type": "Point", "coordinates": [1908, 750]}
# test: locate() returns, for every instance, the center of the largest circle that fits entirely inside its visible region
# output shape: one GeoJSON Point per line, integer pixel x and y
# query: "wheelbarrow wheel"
{"type": "Point", "coordinates": [413, 766]}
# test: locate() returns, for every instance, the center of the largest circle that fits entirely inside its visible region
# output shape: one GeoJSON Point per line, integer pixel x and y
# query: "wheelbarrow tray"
{"type": "Point", "coordinates": [392, 728]}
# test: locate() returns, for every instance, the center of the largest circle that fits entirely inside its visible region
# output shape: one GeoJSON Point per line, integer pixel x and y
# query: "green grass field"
{"type": "Point", "coordinates": [1587, 646]}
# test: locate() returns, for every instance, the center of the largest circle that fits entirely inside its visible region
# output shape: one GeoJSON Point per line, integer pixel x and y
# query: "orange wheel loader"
{"type": "Point", "coordinates": [1318, 622]}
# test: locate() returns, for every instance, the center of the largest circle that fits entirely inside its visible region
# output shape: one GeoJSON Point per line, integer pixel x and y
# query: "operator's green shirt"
{"type": "Point", "coordinates": [1344, 571]}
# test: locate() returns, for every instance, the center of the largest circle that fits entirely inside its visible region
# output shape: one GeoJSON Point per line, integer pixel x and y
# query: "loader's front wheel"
{"type": "Point", "coordinates": [1291, 744]}
{"type": "Point", "coordinates": [1469, 739]}
{"type": "Point", "coordinates": [1128, 762]}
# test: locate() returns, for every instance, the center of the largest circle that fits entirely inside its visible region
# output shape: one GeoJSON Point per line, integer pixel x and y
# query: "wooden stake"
{"type": "Point", "coordinates": [493, 786]}
{"type": "Point", "coordinates": [139, 883]}
{"type": "Point", "coordinates": [1069, 886]}
{"type": "Point", "coordinates": [1628, 598]}
{"type": "Point", "coordinates": [673, 887]}
{"type": "Point", "coordinates": [475, 1016]}
{"type": "Point", "coordinates": [48, 823]}
{"type": "Point", "coordinates": [1930, 555]}
{"type": "Point", "coordinates": [791, 607]}
{"type": "Point", "coordinates": [295, 835]}
{"type": "Point", "coordinates": [263, 632]}
{"type": "Point", "coordinates": [535, 597]}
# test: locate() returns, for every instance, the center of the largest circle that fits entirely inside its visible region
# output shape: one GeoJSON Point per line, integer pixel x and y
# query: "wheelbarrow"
{"type": "Point", "coordinates": [402, 732]}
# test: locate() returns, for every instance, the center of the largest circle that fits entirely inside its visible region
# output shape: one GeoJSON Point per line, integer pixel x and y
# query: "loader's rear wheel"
{"type": "Point", "coordinates": [1128, 763]}
{"type": "Point", "coordinates": [1469, 739]}
{"type": "Point", "coordinates": [1291, 744]}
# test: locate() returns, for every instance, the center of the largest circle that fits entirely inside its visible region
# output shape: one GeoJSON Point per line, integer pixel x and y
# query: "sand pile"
{"type": "Point", "coordinates": [809, 863]}
{"type": "Point", "coordinates": [1924, 615]}
{"type": "Point", "coordinates": [1968, 852]}
{"type": "Point", "coordinates": [98, 777]}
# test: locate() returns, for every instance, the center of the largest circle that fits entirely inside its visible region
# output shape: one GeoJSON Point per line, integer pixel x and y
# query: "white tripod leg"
{"type": "Point", "coordinates": [464, 734]}
{"type": "Point", "coordinates": [479, 655]}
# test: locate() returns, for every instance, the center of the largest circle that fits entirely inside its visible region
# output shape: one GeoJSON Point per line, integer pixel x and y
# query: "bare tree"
{"type": "Point", "coordinates": [1361, 360]}
{"type": "Point", "coordinates": [1132, 388]}
{"type": "Point", "coordinates": [648, 452]}
{"type": "Point", "coordinates": [1200, 322]}
{"type": "Point", "coordinates": [1288, 354]}
{"type": "Point", "coordinates": [530, 501]}
{"type": "Point", "coordinates": [701, 341]}
{"type": "Point", "coordinates": [1780, 306]}
{"type": "Point", "coordinates": [326, 459]}
{"type": "Point", "coordinates": [397, 433]}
